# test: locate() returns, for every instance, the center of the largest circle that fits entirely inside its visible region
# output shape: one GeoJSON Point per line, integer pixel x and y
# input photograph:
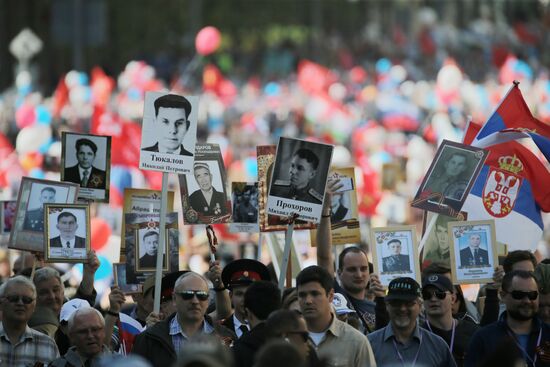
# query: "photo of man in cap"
{"type": "Point", "coordinates": [206, 200]}
{"type": "Point", "coordinates": [237, 276]}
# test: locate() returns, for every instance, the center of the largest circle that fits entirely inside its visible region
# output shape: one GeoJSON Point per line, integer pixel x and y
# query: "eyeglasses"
{"type": "Point", "coordinates": [187, 295]}
{"type": "Point", "coordinates": [427, 295]}
{"type": "Point", "coordinates": [16, 298]}
{"type": "Point", "coordinates": [519, 295]}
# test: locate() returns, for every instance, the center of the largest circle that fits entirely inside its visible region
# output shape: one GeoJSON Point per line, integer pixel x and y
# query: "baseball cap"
{"type": "Point", "coordinates": [70, 307]}
{"type": "Point", "coordinates": [340, 304]}
{"type": "Point", "coordinates": [439, 281]}
{"type": "Point", "coordinates": [404, 289]}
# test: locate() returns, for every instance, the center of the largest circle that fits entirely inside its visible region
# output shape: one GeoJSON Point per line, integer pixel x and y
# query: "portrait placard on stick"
{"type": "Point", "coordinates": [86, 161]}
{"type": "Point", "coordinates": [244, 197]}
{"type": "Point", "coordinates": [473, 251]}
{"type": "Point", "coordinates": [299, 179]}
{"type": "Point", "coordinates": [119, 275]}
{"type": "Point", "coordinates": [28, 230]}
{"type": "Point", "coordinates": [450, 178]}
{"type": "Point", "coordinates": [344, 216]}
{"type": "Point", "coordinates": [67, 232]}
{"type": "Point", "coordinates": [268, 222]}
{"type": "Point", "coordinates": [395, 253]}
{"type": "Point", "coordinates": [203, 192]}
{"type": "Point", "coordinates": [169, 132]}
{"type": "Point", "coordinates": [435, 243]}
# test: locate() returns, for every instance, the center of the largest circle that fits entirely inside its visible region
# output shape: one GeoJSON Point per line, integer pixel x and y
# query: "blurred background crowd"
{"type": "Point", "coordinates": [384, 81]}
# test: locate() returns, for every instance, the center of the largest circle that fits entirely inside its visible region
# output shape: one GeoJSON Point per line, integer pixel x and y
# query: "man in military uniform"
{"type": "Point", "coordinates": [303, 168]}
{"type": "Point", "coordinates": [207, 201]}
{"type": "Point", "coordinates": [84, 173]}
{"type": "Point", "coordinates": [34, 219]}
{"type": "Point", "coordinates": [245, 211]}
{"type": "Point", "coordinates": [237, 276]}
{"type": "Point", "coordinates": [395, 262]}
{"type": "Point", "coordinates": [450, 183]}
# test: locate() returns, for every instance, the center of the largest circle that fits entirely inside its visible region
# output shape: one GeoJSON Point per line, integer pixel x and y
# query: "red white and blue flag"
{"type": "Point", "coordinates": [128, 329]}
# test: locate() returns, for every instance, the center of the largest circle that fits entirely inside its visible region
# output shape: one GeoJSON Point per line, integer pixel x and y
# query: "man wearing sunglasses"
{"type": "Point", "coordinates": [402, 342]}
{"type": "Point", "coordinates": [160, 343]}
{"type": "Point", "coordinates": [438, 294]}
{"type": "Point", "coordinates": [19, 344]}
{"type": "Point", "coordinates": [519, 323]}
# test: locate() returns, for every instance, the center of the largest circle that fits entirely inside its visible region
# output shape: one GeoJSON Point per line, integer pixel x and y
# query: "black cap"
{"type": "Point", "coordinates": [439, 281]}
{"type": "Point", "coordinates": [244, 272]}
{"type": "Point", "coordinates": [404, 289]}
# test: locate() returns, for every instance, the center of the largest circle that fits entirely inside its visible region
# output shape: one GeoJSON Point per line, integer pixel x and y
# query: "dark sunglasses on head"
{"type": "Point", "coordinates": [187, 295]}
{"type": "Point", "coordinates": [427, 295]}
{"type": "Point", "coordinates": [518, 295]}
{"type": "Point", "coordinates": [15, 299]}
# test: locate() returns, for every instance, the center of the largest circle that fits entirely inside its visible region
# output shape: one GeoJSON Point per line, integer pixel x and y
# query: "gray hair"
{"type": "Point", "coordinates": [19, 279]}
{"type": "Point", "coordinates": [46, 273]}
{"type": "Point", "coordinates": [187, 275]}
{"type": "Point", "coordinates": [83, 311]}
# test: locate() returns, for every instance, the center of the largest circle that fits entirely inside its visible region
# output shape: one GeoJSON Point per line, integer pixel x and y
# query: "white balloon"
{"type": "Point", "coordinates": [31, 138]}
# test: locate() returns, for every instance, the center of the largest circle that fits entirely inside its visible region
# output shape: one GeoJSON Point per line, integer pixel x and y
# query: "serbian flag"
{"type": "Point", "coordinates": [512, 113]}
{"type": "Point", "coordinates": [512, 187]}
{"type": "Point", "coordinates": [128, 329]}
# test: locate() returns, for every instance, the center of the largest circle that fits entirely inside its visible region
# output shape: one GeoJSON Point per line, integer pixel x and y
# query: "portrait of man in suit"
{"type": "Point", "coordinates": [67, 226]}
{"type": "Point", "coordinates": [171, 124]}
{"type": "Point", "coordinates": [84, 173]}
{"type": "Point", "coordinates": [34, 219]}
{"type": "Point", "coordinates": [473, 255]}
{"type": "Point", "coordinates": [395, 262]}
{"type": "Point", "coordinates": [150, 243]}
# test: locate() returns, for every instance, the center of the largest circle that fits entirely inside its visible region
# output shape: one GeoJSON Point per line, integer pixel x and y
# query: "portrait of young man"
{"type": "Point", "coordinates": [67, 225]}
{"type": "Point", "coordinates": [34, 218]}
{"type": "Point", "coordinates": [451, 176]}
{"type": "Point", "coordinates": [395, 261]}
{"type": "Point", "coordinates": [149, 247]}
{"type": "Point", "coordinates": [85, 173]}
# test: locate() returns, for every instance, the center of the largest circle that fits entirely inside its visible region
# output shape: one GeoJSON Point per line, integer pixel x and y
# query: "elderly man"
{"type": "Point", "coordinates": [161, 342]}
{"type": "Point", "coordinates": [207, 200]}
{"type": "Point", "coordinates": [403, 342]}
{"type": "Point", "coordinates": [473, 255]}
{"type": "Point", "coordinates": [337, 342]}
{"type": "Point", "coordinates": [19, 344]}
{"type": "Point", "coordinates": [86, 328]}
{"type": "Point", "coordinates": [84, 173]}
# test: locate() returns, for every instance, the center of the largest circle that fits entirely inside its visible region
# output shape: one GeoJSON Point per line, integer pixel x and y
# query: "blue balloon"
{"type": "Point", "coordinates": [251, 168]}
{"type": "Point", "coordinates": [121, 178]}
{"type": "Point", "coordinates": [272, 89]}
{"type": "Point", "coordinates": [105, 268]}
{"type": "Point", "coordinates": [43, 116]}
{"type": "Point", "coordinates": [383, 66]}
{"type": "Point", "coordinates": [37, 173]}
{"type": "Point", "coordinates": [44, 148]}
{"type": "Point", "coordinates": [82, 78]}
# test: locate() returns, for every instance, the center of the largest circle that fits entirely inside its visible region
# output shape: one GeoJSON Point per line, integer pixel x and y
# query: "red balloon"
{"type": "Point", "coordinates": [208, 40]}
{"type": "Point", "coordinates": [100, 233]}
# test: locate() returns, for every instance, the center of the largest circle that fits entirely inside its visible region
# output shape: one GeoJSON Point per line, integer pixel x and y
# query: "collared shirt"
{"type": "Point", "coordinates": [65, 240]}
{"type": "Point", "coordinates": [238, 324]}
{"type": "Point", "coordinates": [32, 347]}
{"type": "Point", "coordinates": [178, 336]}
{"type": "Point", "coordinates": [75, 359]}
{"type": "Point", "coordinates": [427, 348]}
{"type": "Point", "coordinates": [345, 346]}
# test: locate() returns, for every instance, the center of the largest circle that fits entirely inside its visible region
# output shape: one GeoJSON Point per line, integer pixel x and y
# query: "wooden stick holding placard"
{"type": "Point", "coordinates": [286, 252]}
{"type": "Point", "coordinates": [162, 241]}
{"type": "Point", "coordinates": [259, 255]}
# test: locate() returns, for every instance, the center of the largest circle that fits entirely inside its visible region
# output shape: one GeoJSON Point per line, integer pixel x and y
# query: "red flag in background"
{"type": "Point", "coordinates": [60, 97]}
{"type": "Point", "coordinates": [314, 78]}
{"type": "Point", "coordinates": [213, 81]}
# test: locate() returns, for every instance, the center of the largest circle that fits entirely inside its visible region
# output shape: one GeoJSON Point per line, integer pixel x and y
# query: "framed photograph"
{"type": "Point", "coordinates": [140, 242]}
{"type": "Point", "coordinates": [169, 132]}
{"type": "Point", "coordinates": [391, 175]}
{"type": "Point", "coordinates": [203, 193]}
{"type": "Point", "coordinates": [119, 275]}
{"type": "Point", "coordinates": [268, 222]}
{"type": "Point", "coordinates": [299, 179]}
{"type": "Point", "coordinates": [67, 232]}
{"type": "Point", "coordinates": [8, 209]}
{"type": "Point", "coordinates": [395, 253]}
{"type": "Point", "coordinates": [344, 217]}
{"type": "Point", "coordinates": [28, 229]}
{"type": "Point", "coordinates": [244, 197]}
{"type": "Point", "coordinates": [86, 161]}
{"type": "Point", "coordinates": [473, 251]}
{"type": "Point", "coordinates": [450, 178]}
{"type": "Point", "coordinates": [435, 244]}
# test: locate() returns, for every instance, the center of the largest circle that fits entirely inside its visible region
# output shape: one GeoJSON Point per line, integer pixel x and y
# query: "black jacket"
{"type": "Point", "coordinates": [247, 346]}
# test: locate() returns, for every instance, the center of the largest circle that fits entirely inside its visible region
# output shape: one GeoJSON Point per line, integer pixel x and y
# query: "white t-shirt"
{"type": "Point", "coordinates": [317, 337]}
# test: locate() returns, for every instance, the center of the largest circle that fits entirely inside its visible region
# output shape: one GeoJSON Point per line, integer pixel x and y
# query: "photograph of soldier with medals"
{"type": "Point", "coordinates": [450, 178]}
{"type": "Point", "coordinates": [473, 249]}
{"type": "Point", "coordinates": [28, 229]}
{"type": "Point", "coordinates": [299, 179]}
{"type": "Point", "coordinates": [203, 193]}
{"type": "Point", "coordinates": [395, 253]}
{"type": "Point", "coordinates": [86, 161]}
{"type": "Point", "coordinates": [244, 198]}
{"type": "Point", "coordinates": [68, 232]}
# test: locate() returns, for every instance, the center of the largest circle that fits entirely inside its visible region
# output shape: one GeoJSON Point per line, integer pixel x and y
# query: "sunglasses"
{"type": "Point", "coordinates": [427, 295]}
{"type": "Point", "coordinates": [187, 295]}
{"type": "Point", "coordinates": [519, 295]}
{"type": "Point", "coordinates": [15, 299]}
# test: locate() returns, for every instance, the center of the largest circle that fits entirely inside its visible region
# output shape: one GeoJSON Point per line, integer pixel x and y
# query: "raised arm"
{"type": "Point", "coordinates": [324, 231]}
{"type": "Point", "coordinates": [223, 302]}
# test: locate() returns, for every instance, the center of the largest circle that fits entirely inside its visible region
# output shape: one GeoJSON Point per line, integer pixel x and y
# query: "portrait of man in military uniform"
{"type": "Point", "coordinates": [302, 170]}
{"type": "Point", "coordinates": [34, 218]}
{"type": "Point", "coordinates": [207, 200]}
{"type": "Point", "coordinates": [245, 205]}
{"type": "Point", "coordinates": [449, 179]}
{"type": "Point", "coordinates": [395, 262]}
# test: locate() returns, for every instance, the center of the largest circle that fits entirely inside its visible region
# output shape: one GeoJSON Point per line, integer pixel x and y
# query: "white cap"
{"type": "Point", "coordinates": [340, 304]}
{"type": "Point", "coordinates": [70, 307]}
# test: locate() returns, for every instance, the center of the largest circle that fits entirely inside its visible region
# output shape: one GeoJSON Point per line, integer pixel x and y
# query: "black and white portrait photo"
{"type": "Point", "coordinates": [169, 132]}
{"type": "Point", "coordinates": [300, 175]}
{"type": "Point", "coordinates": [68, 232]}
{"type": "Point", "coordinates": [148, 247]}
{"type": "Point", "coordinates": [244, 197]}
{"type": "Point", "coordinates": [42, 194]}
{"type": "Point", "coordinates": [86, 161]}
